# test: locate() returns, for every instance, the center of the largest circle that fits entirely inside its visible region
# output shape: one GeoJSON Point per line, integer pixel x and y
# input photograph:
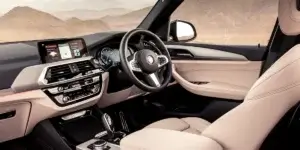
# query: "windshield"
{"type": "Point", "coordinates": [23, 20]}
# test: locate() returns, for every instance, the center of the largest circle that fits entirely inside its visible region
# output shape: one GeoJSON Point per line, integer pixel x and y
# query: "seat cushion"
{"type": "Point", "coordinates": [162, 139]}
{"type": "Point", "coordinates": [191, 124]}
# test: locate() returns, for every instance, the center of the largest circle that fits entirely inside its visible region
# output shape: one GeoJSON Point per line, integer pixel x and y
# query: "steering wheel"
{"type": "Point", "coordinates": [155, 67]}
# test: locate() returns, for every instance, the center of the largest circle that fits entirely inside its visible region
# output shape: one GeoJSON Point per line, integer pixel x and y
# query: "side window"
{"type": "Point", "coordinates": [230, 22]}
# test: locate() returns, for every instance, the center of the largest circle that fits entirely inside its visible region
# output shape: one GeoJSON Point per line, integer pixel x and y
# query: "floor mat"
{"type": "Point", "coordinates": [19, 144]}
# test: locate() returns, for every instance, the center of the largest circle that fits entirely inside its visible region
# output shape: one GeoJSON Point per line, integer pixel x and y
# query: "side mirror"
{"type": "Point", "coordinates": [182, 31]}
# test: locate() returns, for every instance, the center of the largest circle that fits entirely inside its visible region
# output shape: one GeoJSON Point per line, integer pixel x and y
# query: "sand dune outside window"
{"type": "Point", "coordinates": [22, 20]}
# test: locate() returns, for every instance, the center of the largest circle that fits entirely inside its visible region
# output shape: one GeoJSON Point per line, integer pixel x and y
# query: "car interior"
{"type": "Point", "coordinates": [152, 89]}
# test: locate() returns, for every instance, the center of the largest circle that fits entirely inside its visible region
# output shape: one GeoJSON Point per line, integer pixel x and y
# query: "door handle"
{"type": "Point", "coordinates": [180, 54]}
{"type": "Point", "coordinates": [7, 115]}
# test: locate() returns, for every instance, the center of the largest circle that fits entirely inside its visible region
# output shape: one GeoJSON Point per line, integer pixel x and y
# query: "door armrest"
{"type": "Point", "coordinates": [211, 88]}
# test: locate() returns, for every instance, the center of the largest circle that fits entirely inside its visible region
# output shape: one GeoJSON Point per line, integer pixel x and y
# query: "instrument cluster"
{"type": "Point", "coordinates": [109, 55]}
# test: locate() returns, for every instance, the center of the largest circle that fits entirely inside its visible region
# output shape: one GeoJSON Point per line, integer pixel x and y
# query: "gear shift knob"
{"type": "Point", "coordinates": [108, 123]}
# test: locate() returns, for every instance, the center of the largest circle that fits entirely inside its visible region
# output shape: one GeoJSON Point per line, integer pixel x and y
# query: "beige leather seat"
{"type": "Point", "coordinates": [246, 126]}
{"type": "Point", "coordinates": [191, 124]}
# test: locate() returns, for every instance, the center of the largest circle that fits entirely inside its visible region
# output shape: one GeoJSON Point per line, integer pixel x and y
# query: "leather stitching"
{"type": "Point", "coordinates": [285, 88]}
{"type": "Point", "coordinates": [189, 126]}
{"type": "Point", "coordinates": [275, 73]}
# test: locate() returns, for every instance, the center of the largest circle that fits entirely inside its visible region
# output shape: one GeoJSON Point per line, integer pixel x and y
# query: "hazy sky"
{"type": "Point", "coordinates": [60, 5]}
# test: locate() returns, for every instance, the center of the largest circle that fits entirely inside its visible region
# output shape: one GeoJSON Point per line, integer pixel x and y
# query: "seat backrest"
{"type": "Point", "coordinates": [273, 94]}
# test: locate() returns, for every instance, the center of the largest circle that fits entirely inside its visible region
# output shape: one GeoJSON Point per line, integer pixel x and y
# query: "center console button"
{"type": "Point", "coordinates": [96, 79]}
{"type": "Point", "coordinates": [88, 81]}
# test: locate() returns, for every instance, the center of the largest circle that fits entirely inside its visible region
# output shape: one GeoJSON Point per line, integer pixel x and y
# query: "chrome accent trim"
{"type": "Point", "coordinates": [74, 115]}
{"type": "Point", "coordinates": [155, 80]}
{"type": "Point", "coordinates": [101, 134]}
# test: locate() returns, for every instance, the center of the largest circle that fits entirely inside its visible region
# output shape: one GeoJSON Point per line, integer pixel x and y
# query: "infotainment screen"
{"type": "Point", "coordinates": [57, 50]}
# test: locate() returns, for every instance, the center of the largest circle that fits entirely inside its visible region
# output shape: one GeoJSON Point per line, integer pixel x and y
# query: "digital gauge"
{"type": "Point", "coordinates": [110, 56]}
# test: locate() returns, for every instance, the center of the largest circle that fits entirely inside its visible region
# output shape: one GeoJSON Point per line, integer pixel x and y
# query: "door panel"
{"type": "Point", "coordinates": [219, 71]}
{"type": "Point", "coordinates": [221, 79]}
{"type": "Point", "coordinates": [200, 53]}
{"type": "Point", "coordinates": [252, 53]}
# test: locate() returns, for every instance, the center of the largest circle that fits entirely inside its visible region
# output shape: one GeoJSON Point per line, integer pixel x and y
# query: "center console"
{"type": "Point", "coordinates": [81, 130]}
{"type": "Point", "coordinates": [108, 139]}
{"type": "Point", "coordinates": [73, 82]}
{"type": "Point", "coordinates": [68, 83]}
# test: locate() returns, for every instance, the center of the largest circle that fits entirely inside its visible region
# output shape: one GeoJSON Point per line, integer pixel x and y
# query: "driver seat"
{"type": "Point", "coordinates": [246, 126]}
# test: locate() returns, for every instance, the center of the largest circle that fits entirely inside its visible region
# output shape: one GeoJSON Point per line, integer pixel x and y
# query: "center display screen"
{"type": "Point", "coordinates": [52, 51]}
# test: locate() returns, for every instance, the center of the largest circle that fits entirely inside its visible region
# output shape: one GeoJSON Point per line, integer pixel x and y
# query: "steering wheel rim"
{"type": "Point", "coordinates": [151, 72]}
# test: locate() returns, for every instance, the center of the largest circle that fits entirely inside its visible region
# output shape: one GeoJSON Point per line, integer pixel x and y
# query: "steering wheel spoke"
{"type": "Point", "coordinates": [133, 64]}
{"type": "Point", "coordinates": [162, 60]}
{"type": "Point", "coordinates": [153, 79]}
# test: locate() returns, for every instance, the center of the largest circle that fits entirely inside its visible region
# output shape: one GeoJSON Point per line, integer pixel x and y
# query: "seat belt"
{"type": "Point", "coordinates": [277, 47]}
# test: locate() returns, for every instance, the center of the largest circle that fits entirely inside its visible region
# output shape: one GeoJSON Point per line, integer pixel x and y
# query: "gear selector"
{"type": "Point", "coordinates": [105, 140]}
{"type": "Point", "coordinates": [111, 135]}
{"type": "Point", "coordinates": [108, 125]}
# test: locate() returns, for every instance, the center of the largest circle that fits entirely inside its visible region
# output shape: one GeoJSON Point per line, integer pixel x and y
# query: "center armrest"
{"type": "Point", "coordinates": [162, 139]}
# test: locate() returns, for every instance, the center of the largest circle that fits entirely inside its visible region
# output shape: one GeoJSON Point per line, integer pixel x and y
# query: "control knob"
{"type": "Point", "coordinates": [60, 89]}
{"type": "Point", "coordinates": [100, 145]}
{"type": "Point", "coordinates": [94, 89]}
{"type": "Point", "coordinates": [65, 99]}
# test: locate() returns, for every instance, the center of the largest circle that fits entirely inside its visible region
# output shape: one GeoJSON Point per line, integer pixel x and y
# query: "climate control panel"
{"type": "Point", "coordinates": [76, 91]}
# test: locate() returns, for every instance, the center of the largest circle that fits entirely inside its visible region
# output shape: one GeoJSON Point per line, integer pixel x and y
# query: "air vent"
{"type": "Point", "coordinates": [85, 66]}
{"type": "Point", "coordinates": [58, 73]}
{"type": "Point", "coordinates": [68, 71]}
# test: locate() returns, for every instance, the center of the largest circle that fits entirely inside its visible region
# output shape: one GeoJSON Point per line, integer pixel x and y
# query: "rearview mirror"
{"type": "Point", "coordinates": [182, 31]}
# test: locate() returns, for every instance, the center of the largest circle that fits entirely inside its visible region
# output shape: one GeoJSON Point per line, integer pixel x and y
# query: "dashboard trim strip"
{"type": "Point", "coordinates": [32, 77]}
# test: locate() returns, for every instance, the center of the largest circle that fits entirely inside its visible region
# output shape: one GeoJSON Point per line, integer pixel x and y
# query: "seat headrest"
{"type": "Point", "coordinates": [289, 17]}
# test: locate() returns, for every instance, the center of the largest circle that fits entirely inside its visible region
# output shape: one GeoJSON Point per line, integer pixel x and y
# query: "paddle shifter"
{"type": "Point", "coordinates": [108, 125]}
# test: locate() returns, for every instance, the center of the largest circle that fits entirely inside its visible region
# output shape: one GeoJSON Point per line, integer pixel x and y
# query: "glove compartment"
{"type": "Point", "coordinates": [13, 120]}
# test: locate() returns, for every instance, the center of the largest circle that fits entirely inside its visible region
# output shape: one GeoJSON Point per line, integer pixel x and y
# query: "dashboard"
{"type": "Point", "coordinates": [44, 79]}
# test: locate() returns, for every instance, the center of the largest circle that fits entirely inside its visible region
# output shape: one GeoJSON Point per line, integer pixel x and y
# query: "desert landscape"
{"type": "Point", "coordinates": [241, 22]}
{"type": "Point", "coordinates": [218, 22]}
